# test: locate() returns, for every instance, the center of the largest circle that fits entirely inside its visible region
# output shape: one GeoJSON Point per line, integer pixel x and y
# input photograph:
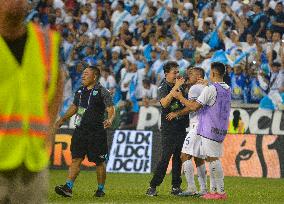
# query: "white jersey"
{"type": "Point", "coordinates": [209, 95]}
{"type": "Point", "coordinates": [193, 93]}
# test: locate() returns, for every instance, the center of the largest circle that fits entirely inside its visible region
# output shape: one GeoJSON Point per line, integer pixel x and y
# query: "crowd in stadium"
{"type": "Point", "coordinates": [131, 40]}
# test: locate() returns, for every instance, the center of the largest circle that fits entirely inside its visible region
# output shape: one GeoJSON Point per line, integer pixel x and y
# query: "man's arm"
{"type": "Point", "coordinates": [165, 101]}
{"type": "Point", "coordinates": [178, 113]}
{"type": "Point", "coordinates": [69, 113]}
{"type": "Point", "coordinates": [110, 116]}
{"type": "Point", "coordinates": [191, 105]}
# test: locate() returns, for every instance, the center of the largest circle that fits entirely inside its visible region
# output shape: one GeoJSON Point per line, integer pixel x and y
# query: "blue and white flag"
{"type": "Point", "coordinates": [132, 93]}
{"type": "Point", "coordinates": [214, 40]}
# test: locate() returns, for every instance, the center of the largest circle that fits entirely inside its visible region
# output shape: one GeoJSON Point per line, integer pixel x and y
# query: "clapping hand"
{"type": "Point", "coordinates": [179, 82]}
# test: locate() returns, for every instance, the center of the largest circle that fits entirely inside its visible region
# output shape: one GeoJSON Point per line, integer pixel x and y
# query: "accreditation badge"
{"type": "Point", "coordinates": [79, 116]}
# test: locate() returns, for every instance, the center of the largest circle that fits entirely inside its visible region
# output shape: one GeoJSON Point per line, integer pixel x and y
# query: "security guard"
{"type": "Point", "coordinates": [89, 137]}
{"type": "Point", "coordinates": [173, 132]}
{"type": "Point", "coordinates": [30, 96]}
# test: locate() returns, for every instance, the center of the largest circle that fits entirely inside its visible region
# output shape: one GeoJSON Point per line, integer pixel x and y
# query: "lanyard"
{"type": "Point", "coordinates": [80, 99]}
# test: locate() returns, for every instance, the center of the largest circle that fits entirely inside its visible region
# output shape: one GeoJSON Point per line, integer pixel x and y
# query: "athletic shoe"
{"type": "Point", "coordinates": [215, 196]}
{"type": "Point", "coordinates": [63, 190]}
{"type": "Point", "coordinates": [188, 193]}
{"type": "Point", "coordinates": [176, 191]}
{"type": "Point", "coordinates": [151, 191]}
{"type": "Point", "coordinates": [99, 193]}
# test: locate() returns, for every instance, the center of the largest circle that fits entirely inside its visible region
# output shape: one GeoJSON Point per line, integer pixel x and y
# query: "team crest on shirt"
{"type": "Point", "coordinates": [95, 92]}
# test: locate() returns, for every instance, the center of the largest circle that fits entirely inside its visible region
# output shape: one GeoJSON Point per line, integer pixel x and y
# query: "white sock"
{"type": "Point", "coordinates": [189, 175]}
{"type": "Point", "coordinates": [217, 173]}
{"type": "Point", "coordinates": [213, 187]}
{"type": "Point", "coordinates": [201, 172]}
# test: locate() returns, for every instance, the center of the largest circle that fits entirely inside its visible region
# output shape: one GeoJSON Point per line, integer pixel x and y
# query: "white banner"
{"type": "Point", "coordinates": [131, 152]}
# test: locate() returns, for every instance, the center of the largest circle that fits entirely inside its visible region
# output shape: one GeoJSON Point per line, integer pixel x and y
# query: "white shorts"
{"type": "Point", "coordinates": [210, 148]}
{"type": "Point", "coordinates": [192, 143]}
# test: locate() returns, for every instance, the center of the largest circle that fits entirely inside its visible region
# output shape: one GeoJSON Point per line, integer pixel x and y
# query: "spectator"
{"type": "Point", "coordinates": [118, 17]}
{"type": "Point", "coordinates": [256, 93]}
{"type": "Point", "coordinates": [277, 18]}
{"type": "Point", "coordinates": [101, 30]}
{"type": "Point", "coordinates": [108, 81]}
{"type": "Point", "coordinates": [182, 63]}
{"type": "Point", "coordinates": [128, 118]}
{"type": "Point", "coordinates": [127, 74]}
{"type": "Point", "coordinates": [238, 83]}
{"type": "Point", "coordinates": [236, 125]}
{"type": "Point", "coordinates": [106, 32]}
{"type": "Point", "coordinates": [149, 93]}
{"type": "Point", "coordinates": [274, 87]}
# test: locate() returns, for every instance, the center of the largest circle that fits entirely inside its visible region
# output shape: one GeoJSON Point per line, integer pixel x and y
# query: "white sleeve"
{"type": "Point", "coordinates": [207, 96]}
{"type": "Point", "coordinates": [193, 93]}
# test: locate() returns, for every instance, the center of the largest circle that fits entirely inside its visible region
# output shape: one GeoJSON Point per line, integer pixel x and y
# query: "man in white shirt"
{"type": "Point", "coordinates": [102, 31]}
{"type": "Point", "coordinates": [274, 87]}
{"type": "Point", "coordinates": [118, 17]}
{"type": "Point", "coordinates": [182, 63]}
{"type": "Point", "coordinates": [107, 80]}
{"type": "Point", "coordinates": [157, 67]}
{"type": "Point", "coordinates": [201, 47]}
{"type": "Point", "coordinates": [133, 18]}
{"type": "Point", "coordinates": [149, 93]}
{"type": "Point", "coordinates": [127, 74]}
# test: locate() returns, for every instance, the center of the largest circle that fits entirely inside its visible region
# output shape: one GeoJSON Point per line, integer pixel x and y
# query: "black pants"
{"type": "Point", "coordinates": [171, 145]}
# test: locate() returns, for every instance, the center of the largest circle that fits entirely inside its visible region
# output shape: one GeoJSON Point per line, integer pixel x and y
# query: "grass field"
{"type": "Point", "coordinates": [131, 188]}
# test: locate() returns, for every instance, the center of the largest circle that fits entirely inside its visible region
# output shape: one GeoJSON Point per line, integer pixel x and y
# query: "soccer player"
{"type": "Point", "coordinates": [192, 142]}
{"type": "Point", "coordinates": [215, 101]}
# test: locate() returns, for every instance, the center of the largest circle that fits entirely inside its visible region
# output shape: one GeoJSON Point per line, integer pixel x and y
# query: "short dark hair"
{"type": "Point", "coordinates": [169, 65]}
{"type": "Point", "coordinates": [220, 67]}
{"type": "Point", "coordinates": [146, 81]}
{"type": "Point", "coordinates": [276, 64]}
{"type": "Point", "coordinates": [96, 70]}
{"type": "Point", "coordinates": [121, 3]}
{"type": "Point", "coordinates": [200, 70]}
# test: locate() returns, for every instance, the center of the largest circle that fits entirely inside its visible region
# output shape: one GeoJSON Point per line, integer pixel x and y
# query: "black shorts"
{"type": "Point", "coordinates": [90, 143]}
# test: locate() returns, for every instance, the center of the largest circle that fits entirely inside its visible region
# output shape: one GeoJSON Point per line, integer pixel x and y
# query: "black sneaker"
{"type": "Point", "coordinates": [176, 191]}
{"type": "Point", "coordinates": [99, 193]}
{"type": "Point", "coordinates": [151, 191]}
{"type": "Point", "coordinates": [63, 190]}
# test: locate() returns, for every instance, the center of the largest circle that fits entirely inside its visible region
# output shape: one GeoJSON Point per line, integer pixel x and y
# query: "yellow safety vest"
{"type": "Point", "coordinates": [25, 91]}
{"type": "Point", "coordinates": [238, 130]}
